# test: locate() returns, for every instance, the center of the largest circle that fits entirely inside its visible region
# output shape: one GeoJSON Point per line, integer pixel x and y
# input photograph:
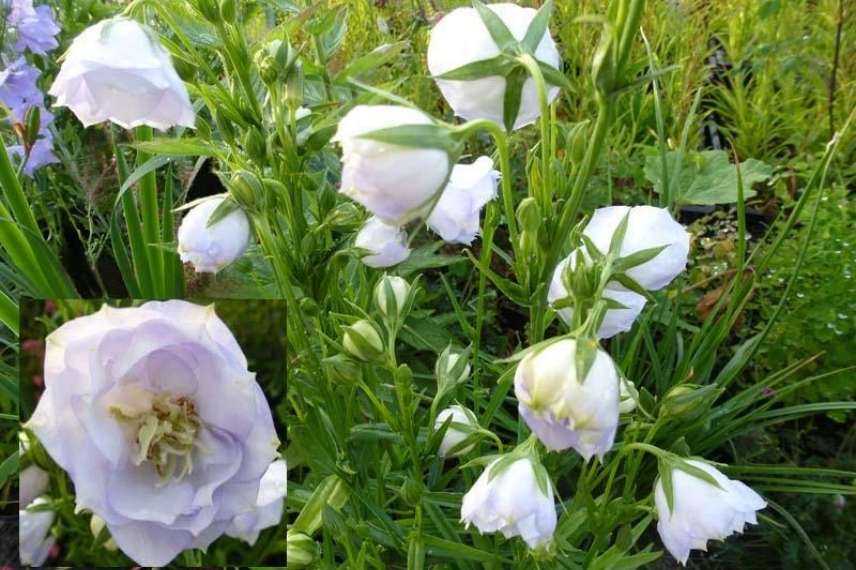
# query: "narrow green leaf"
{"type": "Point", "coordinates": [537, 27]}
{"type": "Point", "coordinates": [177, 147]}
{"type": "Point", "coordinates": [638, 258]}
{"type": "Point", "coordinates": [495, 66]}
{"type": "Point", "coordinates": [497, 29]}
{"type": "Point", "coordinates": [514, 82]}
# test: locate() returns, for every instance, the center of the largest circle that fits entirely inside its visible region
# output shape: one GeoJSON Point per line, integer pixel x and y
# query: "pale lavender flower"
{"type": "Point", "coordinates": [35, 27]}
{"type": "Point", "coordinates": [269, 506]}
{"type": "Point", "coordinates": [160, 425]}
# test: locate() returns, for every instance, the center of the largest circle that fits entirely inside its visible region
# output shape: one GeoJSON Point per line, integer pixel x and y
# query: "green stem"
{"type": "Point", "coordinates": [151, 217]}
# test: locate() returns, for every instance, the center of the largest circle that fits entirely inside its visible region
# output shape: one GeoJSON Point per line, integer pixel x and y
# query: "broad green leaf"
{"type": "Point", "coordinates": [706, 177]}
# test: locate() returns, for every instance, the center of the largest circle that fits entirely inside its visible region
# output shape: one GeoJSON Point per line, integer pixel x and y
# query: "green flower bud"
{"type": "Point", "coordinates": [294, 86]}
{"type": "Point", "coordinates": [301, 550]}
{"type": "Point", "coordinates": [362, 341]}
{"type": "Point", "coordinates": [32, 122]}
{"type": "Point", "coordinates": [685, 400]}
{"type": "Point", "coordinates": [255, 145]}
{"type": "Point", "coordinates": [391, 295]}
{"type": "Point", "coordinates": [245, 188]}
{"type": "Point", "coordinates": [341, 369]}
{"type": "Point", "coordinates": [96, 525]}
{"type": "Point", "coordinates": [411, 491]}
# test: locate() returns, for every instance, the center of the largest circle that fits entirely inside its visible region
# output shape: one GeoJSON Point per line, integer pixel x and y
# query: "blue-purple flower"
{"type": "Point", "coordinates": [35, 27]}
{"type": "Point", "coordinates": [155, 416]}
{"type": "Point", "coordinates": [19, 91]}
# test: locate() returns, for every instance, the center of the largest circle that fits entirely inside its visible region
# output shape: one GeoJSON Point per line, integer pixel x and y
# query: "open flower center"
{"type": "Point", "coordinates": [165, 435]}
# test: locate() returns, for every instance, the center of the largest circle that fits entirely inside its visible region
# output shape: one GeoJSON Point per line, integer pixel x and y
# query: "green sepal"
{"type": "Point", "coordinates": [542, 478]}
{"type": "Point", "coordinates": [416, 136]}
{"type": "Point", "coordinates": [495, 66]}
{"type": "Point", "coordinates": [591, 248]}
{"type": "Point", "coordinates": [514, 82]}
{"type": "Point", "coordinates": [632, 285]}
{"type": "Point", "coordinates": [665, 469]}
{"type": "Point", "coordinates": [696, 472]}
{"type": "Point", "coordinates": [537, 27]}
{"type": "Point", "coordinates": [618, 236]}
{"type": "Point", "coordinates": [502, 36]}
{"type": "Point", "coordinates": [584, 357]}
{"type": "Point", "coordinates": [638, 258]}
{"type": "Point", "coordinates": [225, 208]}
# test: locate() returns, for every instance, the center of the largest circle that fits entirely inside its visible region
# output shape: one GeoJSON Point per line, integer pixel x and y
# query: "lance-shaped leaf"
{"type": "Point", "coordinates": [415, 136]}
{"type": "Point", "coordinates": [537, 27]}
{"type": "Point", "coordinates": [630, 283]}
{"type": "Point", "coordinates": [584, 357]}
{"type": "Point", "coordinates": [638, 258]}
{"type": "Point", "coordinates": [497, 29]}
{"type": "Point", "coordinates": [495, 66]}
{"type": "Point", "coordinates": [618, 236]}
{"type": "Point", "coordinates": [513, 94]}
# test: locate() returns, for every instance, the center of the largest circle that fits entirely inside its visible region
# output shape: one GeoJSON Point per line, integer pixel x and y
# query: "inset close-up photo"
{"type": "Point", "coordinates": [151, 433]}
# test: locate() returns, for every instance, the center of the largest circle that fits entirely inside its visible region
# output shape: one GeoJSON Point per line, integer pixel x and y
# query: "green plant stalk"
{"type": "Point", "coordinates": [151, 217]}
{"type": "Point", "coordinates": [136, 277]}
{"type": "Point", "coordinates": [491, 221]}
{"type": "Point", "coordinates": [546, 139]}
{"type": "Point", "coordinates": [9, 313]}
{"type": "Point", "coordinates": [19, 239]}
{"type": "Point", "coordinates": [172, 265]}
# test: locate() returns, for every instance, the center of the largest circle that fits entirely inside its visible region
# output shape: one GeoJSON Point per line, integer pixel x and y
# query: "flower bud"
{"type": "Point", "coordinates": [391, 294]}
{"type": "Point", "coordinates": [452, 368]}
{"type": "Point", "coordinates": [562, 410]}
{"type": "Point", "coordinates": [117, 70]}
{"type": "Point", "coordinates": [301, 550]}
{"type": "Point", "coordinates": [615, 320]}
{"type": "Point", "coordinates": [464, 423]}
{"type": "Point", "coordinates": [362, 341]}
{"type": "Point", "coordinates": [517, 500]}
{"type": "Point", "coordinates": [461, 38]}
{"type": "Point", "coordinates": [647, 227]}
{"type": "Point", "coordinates": [456, 214]}
{"type": "Point", "coordinates": [34, 538]}
{"type": "Point", "coordinates": [33, 482]}
{"type": "Point", "coordinates": [394, 182]}
{"type": "Point", "coordinates": [688, 399]}
{"type": "Point", "coordinates": [387, 243]}
{"type": "Point", "coordinates": [212, 247]}
{"type": "Point", "coordinates": [246, 188]}
{"type": "Point", "coordinates": [341, 369]}
{"type": "Point", "coordinates": [628, 396]}
{"type": "Point", "coordinates": [700, 511]}
{"type": "Point", "coordinates": [96, 525]}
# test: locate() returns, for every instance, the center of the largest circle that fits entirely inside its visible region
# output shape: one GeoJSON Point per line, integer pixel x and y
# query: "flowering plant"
{"type": "Point", "coordinates": [494, 354]}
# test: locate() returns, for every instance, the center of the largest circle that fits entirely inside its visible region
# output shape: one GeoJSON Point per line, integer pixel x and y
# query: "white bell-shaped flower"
{"type": "Point", "coordinates": [211, 248]}
{"type": "Point", "coordinates": [701, 511]}
{"type": "Point", "coordinates": [461, 38]}
{"type": "Point", "coordinates": [470, 187]}
{"type": "Point", "coordinates": [395, 183]}
{"type": "Point", "coordinates": [562, 411]}
{"type": "Point", "coordinates": [455, 434]}
{"type": "Point", "coordinates": [117, 70]}
{"type": "Point", "coordinates": [388, 243]}
{"type": "Point", "coordinates": [614, 320]}
{"type": "Point", "coordinates": [647, 227]}
{"type": "Point", "coordinates": [34, 538]}
{"type": "Point", "coordinates": [513, 503]}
